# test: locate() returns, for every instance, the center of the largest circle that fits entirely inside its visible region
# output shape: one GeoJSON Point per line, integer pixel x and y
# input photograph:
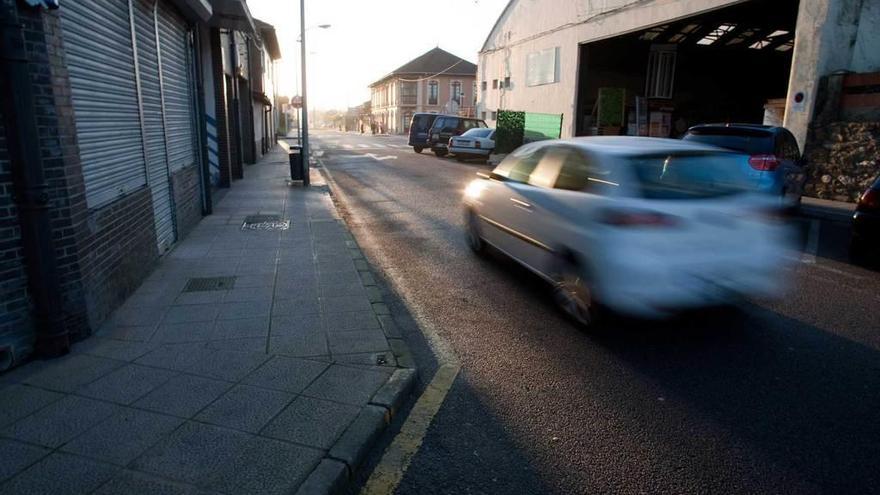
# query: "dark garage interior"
{"type": "Point", "coordinates": [726, 65]}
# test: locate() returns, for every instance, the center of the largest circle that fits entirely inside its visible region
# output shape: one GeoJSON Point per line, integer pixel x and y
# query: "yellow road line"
{"type": "Point", "coordinates": [406, 444]}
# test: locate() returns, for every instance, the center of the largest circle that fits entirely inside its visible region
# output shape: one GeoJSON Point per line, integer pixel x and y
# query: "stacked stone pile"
{"type": "Point", "coordinates": [843, 160]}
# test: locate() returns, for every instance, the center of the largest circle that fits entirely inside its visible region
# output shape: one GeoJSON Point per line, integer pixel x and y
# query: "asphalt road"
{"type": "Point", "coordinates": [781, 398]}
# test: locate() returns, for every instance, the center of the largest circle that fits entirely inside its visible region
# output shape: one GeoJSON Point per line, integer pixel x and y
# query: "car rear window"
{"type": "Point", "coordinates": [422, 122]}
{"type": "Point", "coordinates": [480, 132]}
{"type": "Point", "coordinates": [690, 176]}
{"type": "Point", "coordinates": [751, 141]}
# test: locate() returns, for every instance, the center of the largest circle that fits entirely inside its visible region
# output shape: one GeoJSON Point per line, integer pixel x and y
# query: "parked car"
{"type": "Point", "coordinates": [474, 143]}
{"type": "Point", "coordinates": [642, 226]}
{"type": "Point", "coordinates": [418, 130]}
{"type": "Point", "coordinates": [447, 126]}
{"type": "Point", "coordinates": [866, 223]}
{"type": "Point", "coordinates": [775, 165]}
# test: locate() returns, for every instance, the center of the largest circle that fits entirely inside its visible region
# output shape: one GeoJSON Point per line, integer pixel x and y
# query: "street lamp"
{"type": "Point", "coordinates": [305, 103]}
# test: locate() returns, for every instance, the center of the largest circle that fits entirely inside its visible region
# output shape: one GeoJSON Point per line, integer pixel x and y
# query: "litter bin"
{"type": "Point", "coordinates": [297, 172]}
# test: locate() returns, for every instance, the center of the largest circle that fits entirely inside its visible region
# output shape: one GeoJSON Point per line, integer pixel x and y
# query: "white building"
{"type": "Point", "coordinates": [674, 62]}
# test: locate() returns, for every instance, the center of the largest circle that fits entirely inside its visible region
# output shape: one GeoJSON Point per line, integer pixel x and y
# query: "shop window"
{"type": "Point", "coordinates": [661, 74]}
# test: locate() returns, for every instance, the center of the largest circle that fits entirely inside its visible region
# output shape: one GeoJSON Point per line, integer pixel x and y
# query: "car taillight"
{"type": "Point", "coordinates": [476, 144]}
{"type": "Point", "coordinates": [764, 163]}
{"type": "Point", "coordinates": [870, 199]}
{"type": "Point", "coordinates": [632, 218]}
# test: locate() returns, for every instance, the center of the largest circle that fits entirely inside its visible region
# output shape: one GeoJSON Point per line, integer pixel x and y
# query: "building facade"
{"type": "Point", "coordinates": [106, 156]}
{"type": "Point", "coordinates": [694, 60]}
{"type": "Point", "coordinates": [435, 82]}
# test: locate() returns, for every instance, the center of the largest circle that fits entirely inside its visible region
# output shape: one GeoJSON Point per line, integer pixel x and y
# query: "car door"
{"type": "Point", "coordinates": [503, 206]}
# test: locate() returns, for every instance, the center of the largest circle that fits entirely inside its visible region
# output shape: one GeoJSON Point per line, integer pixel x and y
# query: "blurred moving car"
{"type": "Point", "coordinates": [866, 222]}
{"type": "Point", "coordinates": [446, 126]}
{"type": "Point", "coordinates": [643, 226]}
{"type": "Point", "coordinates": [775, 163]}
{"type": "Point", "coordinates": [474, 143]}
{"type": "Point", "coordinates": [418, 130]}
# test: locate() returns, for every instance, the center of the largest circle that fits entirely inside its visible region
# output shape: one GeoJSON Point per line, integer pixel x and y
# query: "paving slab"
{"type": "Point", "coordinates": [275, 377]}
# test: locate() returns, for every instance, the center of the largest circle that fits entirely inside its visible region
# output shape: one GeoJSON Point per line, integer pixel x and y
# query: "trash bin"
{"type": "Point", "coordinates": [297, 171]}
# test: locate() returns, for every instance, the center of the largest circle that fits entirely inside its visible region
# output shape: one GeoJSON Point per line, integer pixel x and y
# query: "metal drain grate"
{"type": "Point", "coordinates": [265, 222]}
{"type": "Point", "coordinates": [209, 283]}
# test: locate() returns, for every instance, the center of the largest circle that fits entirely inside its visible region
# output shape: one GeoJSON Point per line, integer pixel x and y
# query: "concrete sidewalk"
{"type": "Point", "coordinates": [824, 209]}
{"type": "Point", "coordinates": [257, 358]}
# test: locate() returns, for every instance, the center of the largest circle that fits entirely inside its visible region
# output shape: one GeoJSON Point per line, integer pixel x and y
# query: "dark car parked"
{"type": "Point", "coordinates": [418, 130]}
{"type": "Point", "coordinates": [866, 222]}
{"type": "Point", "coordinates": [775, 160]}
{"type": "Point", "coordinates": [446, 126]}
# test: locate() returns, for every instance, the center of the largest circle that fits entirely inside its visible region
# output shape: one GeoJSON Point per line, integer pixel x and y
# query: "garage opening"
{"type": "Point", "coordinates": [727, 65]}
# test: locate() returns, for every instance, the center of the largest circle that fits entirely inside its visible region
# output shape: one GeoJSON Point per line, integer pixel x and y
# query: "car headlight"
{"type": "Point", "coordinates": [475, 188]}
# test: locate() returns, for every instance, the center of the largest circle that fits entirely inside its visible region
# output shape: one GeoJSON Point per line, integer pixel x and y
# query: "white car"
{"type": "Point", "coordinates": [644, 226]}
{"type": "Point", "coordinates": [474, 143]}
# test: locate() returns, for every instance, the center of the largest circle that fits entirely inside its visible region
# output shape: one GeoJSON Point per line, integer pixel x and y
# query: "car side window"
{"type": "Point", "coordinates": [583, 172]}
{"type": "Point", "coordinates": [518, 167]}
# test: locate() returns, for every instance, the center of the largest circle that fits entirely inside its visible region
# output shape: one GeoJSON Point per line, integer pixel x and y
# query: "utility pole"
{"type": "Point", "coordinates": [305, 105]}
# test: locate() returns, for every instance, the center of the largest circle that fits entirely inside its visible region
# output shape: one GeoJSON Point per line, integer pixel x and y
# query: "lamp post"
{"type": "Point", "coordinates": [305, 104]}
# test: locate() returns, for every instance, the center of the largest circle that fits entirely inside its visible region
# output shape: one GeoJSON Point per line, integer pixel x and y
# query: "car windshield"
{"type": "Point", "coordinates": [480, 133]}
{"type": "Point", "coordinates": [752, 141]}
{"type": "Point", "coordinates": [690, 176]}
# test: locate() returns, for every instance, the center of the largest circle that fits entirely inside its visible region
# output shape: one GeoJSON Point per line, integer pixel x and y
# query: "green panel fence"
{"type": "Point", "coordinates": [515, 128]}
{"type": "Point", "coordinates": [542, 126]}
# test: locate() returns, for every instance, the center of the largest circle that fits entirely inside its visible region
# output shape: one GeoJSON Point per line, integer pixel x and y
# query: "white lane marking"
{"type": "Point", "coordinates": [812, 247]}
{"type": "Point", "coordinates": [363, 145]}
{"type": "Point", "coordinates": [348, 146]}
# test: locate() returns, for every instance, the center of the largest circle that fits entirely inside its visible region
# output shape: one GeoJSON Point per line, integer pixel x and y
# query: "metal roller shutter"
{"type": "Point", "coordinates": [177, 88]}
{"type": "Point", "coordinates": [100, 60]}
{"type": "Point", "coordinates": [154, 127]}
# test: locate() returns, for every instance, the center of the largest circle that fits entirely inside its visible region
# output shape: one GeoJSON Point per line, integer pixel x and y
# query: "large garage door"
{"type": "Point", "coordinates": [100, 60]}
{"type": "Point", "coordinates": [178, 100]}
{"type": "Point", "coordinates": [154, 127]}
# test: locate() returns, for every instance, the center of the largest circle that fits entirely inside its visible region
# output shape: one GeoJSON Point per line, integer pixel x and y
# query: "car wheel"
{"type": "Point", "coordinates": [473, 234]}
{"type": "Point", "coordinates": [572, 293]}
{"type": "Point", "coordinates": [417, 149]}
{"type": "Point", "coordinates": [440, 153]}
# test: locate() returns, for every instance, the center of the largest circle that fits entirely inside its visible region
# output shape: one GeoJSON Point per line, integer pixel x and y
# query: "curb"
{"type": "Point", "coordinates": [341, 462]}
{"type": "Point", "coordinates": [820, 213]}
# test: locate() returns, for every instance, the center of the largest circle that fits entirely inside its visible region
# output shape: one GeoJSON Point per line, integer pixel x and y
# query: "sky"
{"type": "Point", "coordinates": [368, 39]}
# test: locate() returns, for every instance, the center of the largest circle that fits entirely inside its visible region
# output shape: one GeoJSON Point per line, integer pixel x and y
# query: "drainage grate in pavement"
{"type": "Point", "coordinates": [265, 222]}
{"type": "Point", "coordinates": [209, 283]}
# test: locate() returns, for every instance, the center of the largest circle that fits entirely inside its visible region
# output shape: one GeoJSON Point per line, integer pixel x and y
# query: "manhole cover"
{"type": "Point", "coordinates": [265, 222]}
{"type": "Point", "coordinates": [209, 283]}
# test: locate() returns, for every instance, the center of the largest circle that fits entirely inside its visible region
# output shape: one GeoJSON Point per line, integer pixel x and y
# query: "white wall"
{"type": "Point", "coordinates": [866, 52]}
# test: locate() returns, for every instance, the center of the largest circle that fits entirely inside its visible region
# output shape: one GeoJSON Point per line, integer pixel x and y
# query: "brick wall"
{"type": "Point", "coordinates": [187, 199]}
{"type": "Point", "coordinates": [16, 331]}
{"type": "Point", "coordinates": [118, 253]}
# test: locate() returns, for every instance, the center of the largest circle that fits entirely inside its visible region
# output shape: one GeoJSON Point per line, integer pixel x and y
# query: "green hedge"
{"type": "Point", "coordinates": [509, 130]}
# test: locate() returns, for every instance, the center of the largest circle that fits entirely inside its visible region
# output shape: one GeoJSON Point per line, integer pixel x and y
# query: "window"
{"type": "Point", "coordinates": [507, 82]}
{"type": "Point", "coordinates": [408, 93]}
{"type": "Point", "coordinates": [474, 93]}
{"type": "Point", "coordinates": [716, 34]}
{"type": "Point", "coordinates": [456, 91]}
{"type": "Point", "coordinates": [483, 115]}
{"type": "Point", "coordinates": [433, 92]}
{"type": "Point", "coordinates": [494, 83]}
{"type": "Point", "coordinates": [661, 74]}
{"type": "Point", "coordinates": [483, 85]}
{"type": "Point", "coordinates": [494, 115]}
{"type": "Point", "coordinates": [542, 67]}
{"type": "Point", "coordinates": [519, 165]}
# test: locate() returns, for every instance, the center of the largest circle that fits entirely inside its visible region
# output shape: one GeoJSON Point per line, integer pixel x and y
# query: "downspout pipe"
{"type": "Point", "coordinates": [31, 189]}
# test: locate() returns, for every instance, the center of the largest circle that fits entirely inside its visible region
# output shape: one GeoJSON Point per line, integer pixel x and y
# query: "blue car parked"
{"type": "Point", "coordinates": [775, 163]}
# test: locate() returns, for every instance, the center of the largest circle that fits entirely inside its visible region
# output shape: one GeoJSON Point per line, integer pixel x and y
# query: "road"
{"type": "Point", "coordinates": [783, 398]}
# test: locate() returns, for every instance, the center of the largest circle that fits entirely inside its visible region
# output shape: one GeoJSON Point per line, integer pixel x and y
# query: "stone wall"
{"type": "Point", "coordinates": [843, 159]}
